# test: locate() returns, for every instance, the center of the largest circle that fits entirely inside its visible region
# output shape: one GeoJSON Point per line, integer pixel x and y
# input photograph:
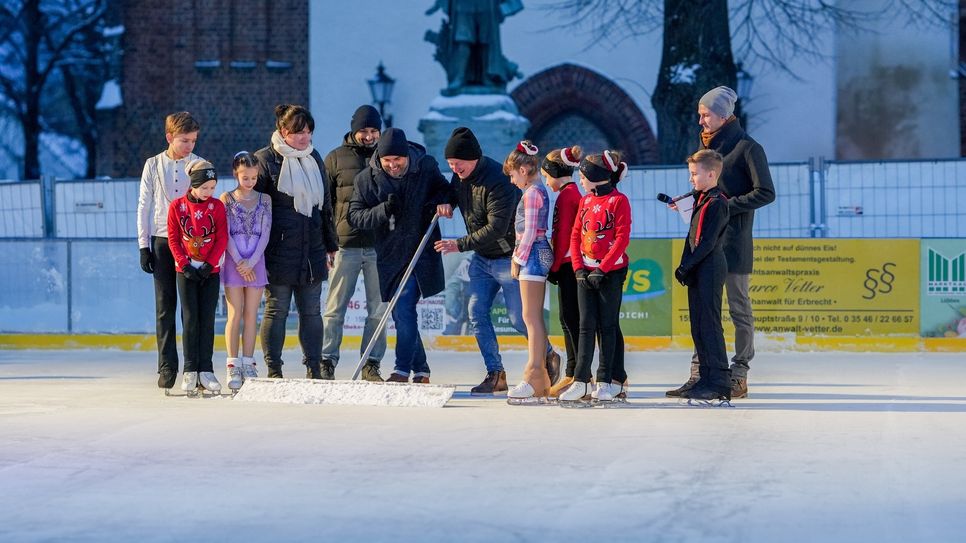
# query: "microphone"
{"type": "Point", "coordinates": [668, 200]}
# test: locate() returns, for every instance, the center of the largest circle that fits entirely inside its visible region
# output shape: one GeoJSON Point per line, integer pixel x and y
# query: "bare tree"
{"type": "Point", "coordinates": [36, 38]}
{"type": "Point", "coordinates": [700, 47]}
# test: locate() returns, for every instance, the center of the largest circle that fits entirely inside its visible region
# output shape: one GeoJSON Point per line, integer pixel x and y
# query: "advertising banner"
{"type": "Point", "coordinates": [943, 288]}
{"type": "Point", "coordinates": [832, 287]}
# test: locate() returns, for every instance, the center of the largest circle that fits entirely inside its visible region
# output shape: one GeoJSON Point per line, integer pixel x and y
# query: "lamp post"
{"type": "Point", "coordinates": [381, 88]}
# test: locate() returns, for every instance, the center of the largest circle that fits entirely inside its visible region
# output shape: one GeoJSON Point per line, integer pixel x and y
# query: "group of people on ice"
{"type": "Point", "coordinates": [295, 220]}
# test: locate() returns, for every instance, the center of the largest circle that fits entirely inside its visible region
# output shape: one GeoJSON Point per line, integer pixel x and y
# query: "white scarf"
{"type": "Point", "coordinates": [299, 177]}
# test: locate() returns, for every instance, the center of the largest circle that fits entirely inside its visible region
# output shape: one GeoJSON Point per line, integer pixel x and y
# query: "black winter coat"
{"type": "Point", "coordinates": [703, 253]}
{"type": "Point", "coordinates": [418, 193]}
{"type": "Point", "coordinates": [342, 165]}
{"type": "Point", "coordinates": [297, 247]}
{"type": "Point", "coordinates": [746, 180]}
{"type": "Point", "coordinates": [488, 201]}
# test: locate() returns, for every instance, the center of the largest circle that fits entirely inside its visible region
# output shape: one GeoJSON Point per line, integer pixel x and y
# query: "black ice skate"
{"type": "Point", "coordinates": [706, 396]}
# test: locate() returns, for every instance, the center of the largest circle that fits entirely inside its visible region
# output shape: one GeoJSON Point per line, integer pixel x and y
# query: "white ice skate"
{"type": "Point", "coordinates": [209, 382]}
{"type": "Point", "coordinates": [576, 395]}
{"type": "Point", "coordinates": [248, 368]}
{"type": "Point", "coordinates": [189, 383]}
{"type": "Point", "coordinates": [523, 394]}
{"type": "Point", "coordinates": [235, 377]}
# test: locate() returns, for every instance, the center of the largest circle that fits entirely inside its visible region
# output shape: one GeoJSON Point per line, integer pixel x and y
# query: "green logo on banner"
{"type": "Point", "coordinates": [645, 279]}
{"type": "Point", "coordinates": [947, 276]}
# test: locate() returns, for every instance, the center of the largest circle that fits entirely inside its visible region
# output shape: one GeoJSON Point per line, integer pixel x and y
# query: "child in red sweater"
{"type": "Point", "coordinates": [598, 244]}
{"type": "Point", "coordinates": [198, 237]}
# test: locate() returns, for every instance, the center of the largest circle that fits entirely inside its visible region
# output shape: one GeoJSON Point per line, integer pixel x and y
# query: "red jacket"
{"type": "Point", "coordinates": [602, 232]}
{"type": "Point", "coordinates": [197, 231]}
{"type": "Point", "coordinates": [564, 215]}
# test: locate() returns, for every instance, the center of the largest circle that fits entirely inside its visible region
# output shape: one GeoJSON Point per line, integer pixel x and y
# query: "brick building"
{"type": "Point", "coordinates": [227, 62]}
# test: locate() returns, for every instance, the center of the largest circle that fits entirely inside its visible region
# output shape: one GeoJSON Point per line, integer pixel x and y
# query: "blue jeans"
{"type": "Point", "coordinates": [410, 354]}
{"type": "Point", "coordinates": [487, 277]}
{"type": "Point", "coordinates": [349, 261]}
{"type": "Point", "coordinates": [308, 301]}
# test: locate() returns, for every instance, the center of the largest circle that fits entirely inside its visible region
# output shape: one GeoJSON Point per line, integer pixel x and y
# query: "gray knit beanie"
{"type": "Point", "coordinates": [720, 100]}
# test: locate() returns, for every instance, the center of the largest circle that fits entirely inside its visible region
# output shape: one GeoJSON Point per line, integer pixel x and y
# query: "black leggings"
{"type": "Point", "coordinates": [600, 320]}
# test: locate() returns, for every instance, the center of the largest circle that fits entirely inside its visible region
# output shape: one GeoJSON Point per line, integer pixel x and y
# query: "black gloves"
{"type": "Point", "coordinates": [594, 279]}
{"type": "Point", "coordinates": [682, 276]}
{"type": "Point", "coordinates": [391, 204]}
{"type": "Point", "coordinates": [204, 271]}
{"type": "Point", "coordinates": [581, 277]}
{"type": "Point", "coordinates": [191, 273]}
{"type": "Point", "coordinates": [147, 260]}
{"type": "Point", "coordinates": [553, 277]}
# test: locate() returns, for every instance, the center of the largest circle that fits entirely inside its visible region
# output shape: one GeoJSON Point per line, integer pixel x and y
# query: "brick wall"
{"type": "Point", "coordinates": [227, 62]}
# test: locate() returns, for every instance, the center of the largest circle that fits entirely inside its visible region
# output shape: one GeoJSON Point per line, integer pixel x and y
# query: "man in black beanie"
{"type": "Point", "coordinates": [394, 200]}
{"type": "Point", "coordinates": [356, 248]}
{"type": "Point", "coordinates": [488, 203]}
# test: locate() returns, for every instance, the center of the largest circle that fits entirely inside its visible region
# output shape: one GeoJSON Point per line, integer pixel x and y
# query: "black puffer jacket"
{"type": "Point", "coordinates": [417, 194]}
{"type": "Point", "coordinates": [297, 247]}
{"type": "Point", "coordinates": [342, 165]}
{"type": "Point", "coordinates": [488, 201]}
{"type": "Point", "coordinates": [746, 180]}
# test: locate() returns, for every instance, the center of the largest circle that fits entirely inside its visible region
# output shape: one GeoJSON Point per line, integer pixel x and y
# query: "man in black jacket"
{"type": "Point", "coordinates": [746, 181]}
{"type": "Point", "coordinates": [394, 200]}
{"type": "Point", "coordinates": [356, 247]}
{"type": "Point", "coordinates": [488, 202]}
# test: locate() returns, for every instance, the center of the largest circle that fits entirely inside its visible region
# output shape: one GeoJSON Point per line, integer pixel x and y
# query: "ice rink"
{"type": "Point", "coordinates": [829, 447]}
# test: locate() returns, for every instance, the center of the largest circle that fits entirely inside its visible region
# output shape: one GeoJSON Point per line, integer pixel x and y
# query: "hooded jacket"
{"type": "Point", "coordinates": [342, 165]}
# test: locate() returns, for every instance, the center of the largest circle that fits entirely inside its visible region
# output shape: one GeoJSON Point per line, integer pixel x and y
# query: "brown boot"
{"type": "Point", "coordinates": [739, 388]}
{"type": "Point", "coordinates": [494, 383]}
{"type": "Point", "coordinates": [561, 385]}
{"type": "Point", "coordinates": [421, 379]}
{"type": "Point", "coordinates": [396, 378]}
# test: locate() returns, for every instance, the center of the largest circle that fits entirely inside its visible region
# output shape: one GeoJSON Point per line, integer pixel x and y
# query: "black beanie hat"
{"type": "Point", "coordinates": [366, 117]}
{"type": "Point", "coordinates": [463, 145]}
{"type": "Point", "coordinates": [200, 176]}
{"type": "Point", "coordinates": [393, 143]}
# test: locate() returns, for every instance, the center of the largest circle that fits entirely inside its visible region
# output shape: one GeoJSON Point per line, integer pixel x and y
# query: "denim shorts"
{"type": "Point", "coordinates": [538, 263]}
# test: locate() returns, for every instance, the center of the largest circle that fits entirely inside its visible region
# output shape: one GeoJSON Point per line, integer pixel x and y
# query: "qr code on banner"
{"type": "Point", "coordinates": [431, 318]}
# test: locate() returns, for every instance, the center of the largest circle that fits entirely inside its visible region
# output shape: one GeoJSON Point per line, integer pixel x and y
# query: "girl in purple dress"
{"type": "Point", "coordinates": [243, 274]}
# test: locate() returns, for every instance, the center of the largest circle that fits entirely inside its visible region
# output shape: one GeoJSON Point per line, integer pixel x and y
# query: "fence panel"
{"type": "Point", "coordinates": [895, 199]}
{"type": "Point", "coordinates": [21, 211]}
{"type": "Point", "coordinates": [36, 285]}
{"type": "Point", "coordinates": [97, 208]}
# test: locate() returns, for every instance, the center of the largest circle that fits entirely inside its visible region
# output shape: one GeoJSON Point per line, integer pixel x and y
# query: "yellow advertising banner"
{"type": "Point", "coordinates": [826, 287]}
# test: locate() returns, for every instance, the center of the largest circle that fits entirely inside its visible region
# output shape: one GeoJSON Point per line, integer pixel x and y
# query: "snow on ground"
{"type": "Point", "coordinates": [830, 447]}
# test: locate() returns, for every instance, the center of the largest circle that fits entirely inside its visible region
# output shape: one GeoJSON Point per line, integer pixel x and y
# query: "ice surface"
{"type": "Point", "coordinates": [829, 447]}
{"type": "Point", "coordinates": [344, 392]}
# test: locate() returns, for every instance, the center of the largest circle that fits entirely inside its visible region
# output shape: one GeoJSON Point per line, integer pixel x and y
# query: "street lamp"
{"type": "Point", "coordinates": [381, 88]}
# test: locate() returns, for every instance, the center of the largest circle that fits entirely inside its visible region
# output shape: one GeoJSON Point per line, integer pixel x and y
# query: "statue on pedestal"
{"type": "Point", "coordinates": [468, 45]}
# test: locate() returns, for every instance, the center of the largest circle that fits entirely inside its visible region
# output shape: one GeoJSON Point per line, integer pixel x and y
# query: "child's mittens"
{"type": "Point", "coordinates": [204, 271]}
{"type": "Point", "coordinates": [553, 277]}
{"type": "Point", "coordinates": [595, 278]}
{"type": "Point", "coordinates": [191, 273]}
{"type": "Point", "coordinates": [581, 277]}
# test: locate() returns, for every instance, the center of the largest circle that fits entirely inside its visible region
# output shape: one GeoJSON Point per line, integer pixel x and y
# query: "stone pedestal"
{"type": "Point", "coordinates": [494, 118]}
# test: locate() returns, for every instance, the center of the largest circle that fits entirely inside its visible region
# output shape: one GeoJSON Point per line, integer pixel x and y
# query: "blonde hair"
{"type": "Point", "coordinates": [708, 159]}
{"type": "Point", "coordinates": [181, 122]}
{"type": "Point", "coordinates": [198, 164]}
{"type": "Point", "coordinates": [518, 158]}
{"type": "Point", "coordinates": [576, 153]}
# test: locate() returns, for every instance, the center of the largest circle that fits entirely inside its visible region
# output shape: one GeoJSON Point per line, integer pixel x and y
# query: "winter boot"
{"type": "Point", "coordinates": [313, 369]}
{"type": "Point", "coordinates": [739, 387]}
{"type": "Point", "coordinates": [248, 368]}
{"type": "Point", "coordinates": [421, 378]}
{"type": "Point", "coordinates": [166, 378]}
{"type": "Point", "coordinates": [395, 377]}
{"type": "Point", "coordinates": [707, 393]}
{"type": "Point", "coordinates": [209, 381]}
{"type": "Point", "coordinates": [695, 375]}
{"type": "Point", "coordinates": [234, 377]}
{"type": "Point", "coordinates": [189, 381]}
{"type": "Point", "coordinates": [327, 370]}
{"type": "Point", "coordinates": [370, 371]}
{"type": "Point", "coordinates": [577, 394]}
{"type": "Point", "coordinates": [275, 371]}
{"type": "Point", "coordinates": [552, 362]}
{"type": "Point", "coordinates": [561, 385]}
{"type": "Point", "coordinates": [494, 383]}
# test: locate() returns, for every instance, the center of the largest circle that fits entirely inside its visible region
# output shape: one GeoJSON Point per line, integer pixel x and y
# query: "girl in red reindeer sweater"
{"type": "Point", "coordinates": [598, 244]}
{"type": "Point", "coordinates": [198, 237]}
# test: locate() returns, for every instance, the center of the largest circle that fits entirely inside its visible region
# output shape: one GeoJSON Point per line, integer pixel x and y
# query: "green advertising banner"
{"type": "Point", "coordinates": [943, 288]}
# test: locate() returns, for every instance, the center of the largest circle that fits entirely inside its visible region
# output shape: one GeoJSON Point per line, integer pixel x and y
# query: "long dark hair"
{"type": "Point", "coordinates": [293, 118]}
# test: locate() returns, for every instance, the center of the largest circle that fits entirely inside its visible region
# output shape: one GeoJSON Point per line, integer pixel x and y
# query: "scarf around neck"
{"type": "Point", "coordinates": [299, 176]}
{"type": "Point", "coordinates": [706, 138]}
